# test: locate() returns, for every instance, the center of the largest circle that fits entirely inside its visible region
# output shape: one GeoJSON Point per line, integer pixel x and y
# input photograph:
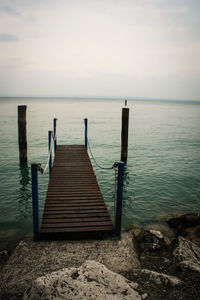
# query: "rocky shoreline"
{"type": "Point", "coordinates": [144, 264]}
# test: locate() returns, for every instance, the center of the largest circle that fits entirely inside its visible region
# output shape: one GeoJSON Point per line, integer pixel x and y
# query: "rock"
{"type": "Point", "coordinates": [193, 233]}
{"type": "Point", "coordinates": [161, 279]}
{"type": "Point", "coordinates": [186, 250]}
{"type": "Point", "coordinates": [188, 220]}
{"type": "Point", "coordinates": [90, 281]}
{"type": "Point", "coordinates": [167, 232]}
{"type": "Point", "coordinates": [181, 222]}
{"type": "Point", "coordinates": [144, 296]}
{"type": "Point", "coordinates": [3, 253]}
{"type": "Point", "coordinates": [3, 258]}
{"type": "Point", "coordinates": [187, 256]}
{"type": "Point", "coordinates": [151, 240]}
{"type": "Point", "coordinates": [187, 225]}
{"type": "Point", "coordinates": [188, 265]}
{"type": "Point", "coordinates": [135, 229]}
{"type": "Point", "coordinates": [31, 260]}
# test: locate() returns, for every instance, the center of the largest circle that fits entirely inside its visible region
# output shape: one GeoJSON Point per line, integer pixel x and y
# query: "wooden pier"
{"type": "Point", "coordinates": [74, 206]}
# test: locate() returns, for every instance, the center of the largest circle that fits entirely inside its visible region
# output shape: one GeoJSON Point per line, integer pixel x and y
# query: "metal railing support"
{"type": "Point", "coordinates": [118, 211]}
{"type": "Point", "coordinates": [86, 129]}
{"type": "Point", "coordinates": [54, 134]}
{"type": "Point", "coordinates": [49, 147]}
{"type": "Point", "coordinates": [34, 177]}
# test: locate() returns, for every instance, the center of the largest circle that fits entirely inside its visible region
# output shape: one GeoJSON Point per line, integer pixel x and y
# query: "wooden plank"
{"type": "Point", "coordinates": [75, 209]}
{"type": "Point", "coordinates": [76, 220]}
{"type": "Point", "coordinates": [82, 224]}
{"type": "Point", "coordinates": [75, 198]}
{"type": "Point", "coordinates": [78, 212]}
{"type": "Point", "coordinates": [77, 202]}
{"type": "Point", "coordinates": [82, 215]}
{"type": "Point", "coordinates": [70, 205]}
{"type": "Point", "coordinates": [77, 229]}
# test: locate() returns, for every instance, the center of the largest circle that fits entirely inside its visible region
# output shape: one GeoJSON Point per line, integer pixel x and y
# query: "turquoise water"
{"type": "Point", "coordinates": [163, 170]}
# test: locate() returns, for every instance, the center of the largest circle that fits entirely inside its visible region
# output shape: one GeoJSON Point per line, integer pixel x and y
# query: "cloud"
{"type": "Point", "coordinates": [8, 10]}
{"type": "Point", "coordinates": [4, 38]}
{"type": "Point", "coordinates": [101, 47]}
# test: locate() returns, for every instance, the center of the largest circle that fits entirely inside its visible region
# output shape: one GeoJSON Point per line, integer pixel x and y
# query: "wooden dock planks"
{"type": "Point", "coordinates": [74, 206]}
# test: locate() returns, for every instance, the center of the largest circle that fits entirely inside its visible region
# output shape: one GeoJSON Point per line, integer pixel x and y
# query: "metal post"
{"type": "Point", "coordinates": [22, 139]}
{"type": "Point", "coordinates": [118, 212]}
{"type": "Point", "coordinates": [86, 128]}
{"type": "Point", "coordinates": [49, 146]}
{"type": "Point", "coordinates": [34, 176]}
{"type": "Point", "coordinates": [54, 134]}
{"type": "Point", "coordinates": [124, 134]}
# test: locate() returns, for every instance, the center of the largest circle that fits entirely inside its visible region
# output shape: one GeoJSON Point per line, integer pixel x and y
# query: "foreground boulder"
{"type": "Point", "coordinates": [187, 256]}
{"type": "Point", "coordinates": [92, 280]}
{"type": "Point", "coordinates": [31, 260]}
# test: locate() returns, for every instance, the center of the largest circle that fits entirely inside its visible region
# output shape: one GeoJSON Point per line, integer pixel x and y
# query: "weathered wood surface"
{"type": "Point", "coordinates": [74, 206]}
{"type": "Point", "coordinates": [124, 134]}
{"type": "Point", "coordinates": [22, 138]}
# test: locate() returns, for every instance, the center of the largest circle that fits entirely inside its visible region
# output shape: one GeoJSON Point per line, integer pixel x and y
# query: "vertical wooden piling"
{"type": "Point", "coordinates": [124, 134]}
{"type": "Point", "coordinates": [22, 139]}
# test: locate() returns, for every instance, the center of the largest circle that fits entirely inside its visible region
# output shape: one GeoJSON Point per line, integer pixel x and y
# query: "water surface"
{"type": "Point", "coordinates": [161, 176]}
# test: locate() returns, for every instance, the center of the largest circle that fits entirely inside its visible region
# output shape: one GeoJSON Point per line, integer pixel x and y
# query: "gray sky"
{"type": "Point", "coordinates": [123, 48]}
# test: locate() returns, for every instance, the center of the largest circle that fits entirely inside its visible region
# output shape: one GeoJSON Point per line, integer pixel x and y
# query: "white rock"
{"type": "Point", "coordinates": [160, 278]}
{"type": "Point", "coordinates": [144, 296]}
{"type": "Point", "coordinates": [188, 265]}
{"type": "Point", "coordinates": [92, 280]}
{"type": "Point", "coordinates": [187, 250]}
{"type": "Point", "coordinates": [3, 253]}
{"type": "Point", "coordinates": [157, 233]}
{"type": "Point", "coordinates": [187, 255]}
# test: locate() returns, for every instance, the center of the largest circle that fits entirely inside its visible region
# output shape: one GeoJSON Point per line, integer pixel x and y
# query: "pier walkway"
{"type": "Point", "coordinates": [74, 206]}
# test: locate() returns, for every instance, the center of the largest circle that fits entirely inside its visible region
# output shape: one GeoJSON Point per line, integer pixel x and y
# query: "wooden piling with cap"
{"type": "Point", "coordinates": [124, 134]}
{"type": "Point", "coordinates": [22, 138]}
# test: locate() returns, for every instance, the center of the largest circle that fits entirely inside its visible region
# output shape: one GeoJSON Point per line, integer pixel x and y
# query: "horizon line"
{"type": "Point", "coordinates": [104, 97]}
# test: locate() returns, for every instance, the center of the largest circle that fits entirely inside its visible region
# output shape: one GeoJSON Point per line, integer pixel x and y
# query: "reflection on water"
{"type": "Point", "coordinates": [19, 223]}
{"type": "Point", "coordinates": [24, 194]}
{"type": "Point", "coordinates": [126, 177]}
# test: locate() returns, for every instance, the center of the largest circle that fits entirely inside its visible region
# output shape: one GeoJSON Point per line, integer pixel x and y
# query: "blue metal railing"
{"type": "Point", "coordinates": [50, 133]}
{"type": "Point", "coordinates": [86, 132]}
{"type": "Point", "coordinates": [119, 200]}
{"type": "Point", "coordinates": [54, 134]}
{"type": "Point", "coordinates": [34, 179]}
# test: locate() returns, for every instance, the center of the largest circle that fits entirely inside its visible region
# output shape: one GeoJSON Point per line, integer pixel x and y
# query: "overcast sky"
{"type": "Point", "coordinates": [123, 48]}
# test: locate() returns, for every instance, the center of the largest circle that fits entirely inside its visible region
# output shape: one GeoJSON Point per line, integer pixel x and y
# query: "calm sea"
{"type": "Point", "coordinates": [163, 170]}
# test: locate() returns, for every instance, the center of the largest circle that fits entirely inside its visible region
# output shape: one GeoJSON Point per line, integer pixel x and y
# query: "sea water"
{"type": "Point", "coordinates": [162, 172]}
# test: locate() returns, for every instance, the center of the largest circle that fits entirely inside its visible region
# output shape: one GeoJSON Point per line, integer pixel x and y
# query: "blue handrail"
{"type": "Point", "coordinates": [118, 212]}
{"type": "Point", "coordinates": [34, 177]}
{"type": "Point", "coordinates": [54, 134]}
{"type": "Point", "coordinates": [50, 133]}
